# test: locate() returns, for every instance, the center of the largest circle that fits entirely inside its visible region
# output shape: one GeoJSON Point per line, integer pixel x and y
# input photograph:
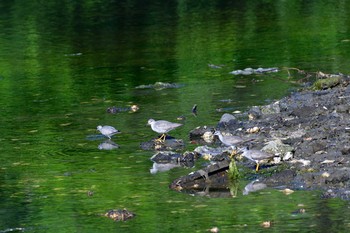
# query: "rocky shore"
{"type": "Point", "coordinates": [308, 131]}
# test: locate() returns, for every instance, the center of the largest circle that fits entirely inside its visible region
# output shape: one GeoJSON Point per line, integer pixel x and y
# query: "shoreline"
{"type": "Point", "coordinates": [314, 126]}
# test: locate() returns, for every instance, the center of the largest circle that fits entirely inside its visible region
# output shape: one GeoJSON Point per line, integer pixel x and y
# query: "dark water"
{"type": "Point", "coordinates": [63, 63]}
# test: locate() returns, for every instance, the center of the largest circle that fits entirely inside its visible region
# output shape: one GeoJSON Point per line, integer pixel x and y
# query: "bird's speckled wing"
{"type": "Point", "coordinates": [166, 126]}
{"type": "Point", "coordinates": [259, 155]}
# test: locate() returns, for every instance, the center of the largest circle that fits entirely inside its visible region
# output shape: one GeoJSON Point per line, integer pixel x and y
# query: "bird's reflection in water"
{"type": "Point", "coordinates": [108, 145]}
{"type": "Point", "coordinates": [162, 167]}
{"type": "Point", "coordinates": [253, 187]}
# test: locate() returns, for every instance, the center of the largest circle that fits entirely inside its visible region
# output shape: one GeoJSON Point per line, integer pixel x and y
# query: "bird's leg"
{"type": "Point", "coordinates": [161, 138]}
{"type": "Point", "coordinates": [257, 167]}
{"type": "Point", "coordinates": [233, 153]}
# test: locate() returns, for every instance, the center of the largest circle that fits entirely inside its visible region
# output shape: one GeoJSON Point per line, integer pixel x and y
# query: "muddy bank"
{"type": "Point", "coordinates": [314, 126]}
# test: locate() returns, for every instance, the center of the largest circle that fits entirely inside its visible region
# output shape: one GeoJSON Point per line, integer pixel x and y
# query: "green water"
{"type": "Point", "coordinates": [63, 63]}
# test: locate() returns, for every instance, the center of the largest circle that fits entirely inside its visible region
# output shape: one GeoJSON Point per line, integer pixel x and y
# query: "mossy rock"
{"type": "Point", "coordinates": [330, 82]}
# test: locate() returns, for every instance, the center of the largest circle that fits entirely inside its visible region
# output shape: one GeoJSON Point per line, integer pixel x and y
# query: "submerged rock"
{"type": "Point", "coordinates": [159, 86]}
{"type": "Point", "coordinates": [213, 154]}
{"type": "Point", "coordinates": [197, 133]}
{"type": "Point", "coordinates": [212, 176]}
{"type": "Point", "coordinates": [114, 110]}
{"type": "Point", "coordinates": [249, 71]}
{"type": "Point", "coordinates": [170, 144]}
{"type": "Point", "coordinates": [213, 66]}
{"type": "Point", "coordinates": [119, 215]}
{"type": "Point", "coordinates": [173, 157]}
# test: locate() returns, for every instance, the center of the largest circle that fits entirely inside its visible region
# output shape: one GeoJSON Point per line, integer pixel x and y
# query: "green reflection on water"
{"type": "Point", "coordinates": [63, 63]}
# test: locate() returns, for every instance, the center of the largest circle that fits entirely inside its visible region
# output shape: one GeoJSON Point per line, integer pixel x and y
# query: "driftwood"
{"type": "Point", "coordinates": [213, 176]}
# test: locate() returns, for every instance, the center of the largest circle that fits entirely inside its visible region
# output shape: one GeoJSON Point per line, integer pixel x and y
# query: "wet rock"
{"type": "Point", "coordinates": [280, 179]}
{"type": "Point", "coordinates": [170, 144]}
{"type": "Point", "coordinates": [299, 211]}
{"type": "Point", "coordinates": [254, 113]}
{"type": "Point", "coordinates": [212, 176]}
{"type": "Point", "coordinates": [328, 194]}
{"type": "Point", "coordinates": [271, 108]}
{"type": "Point", "coordinates": [120, 215]}
{"type": "Point", "coordinates": [213, 154]}
{"type": "Point", "coordinates": [345, 150]}
{"type": "Point", "coordinates": [304, 111]}
{"type": "Point", "coordinates": [165, 157]}
{"type": "Point", "coordinates": [343, 108]}
{"type": "Point", "coordinates": [208, 137]}
{"type": "Point", "coordinates": [340, 176]}
{"type": "Point", "coordinates": [197, 133]}
{"type": "Point", "coordinates": [114, 110]}
{"type": "Point", "coordinates": [249, 71]}
{"type": "Point", "coordinates": [226, 118]}
{"type": "Point", "coordinates": [205, 150]}
{"type": "Point", "coordinates": [167, 160]}
{"type": "Point", "coordinates": [277, 147]}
